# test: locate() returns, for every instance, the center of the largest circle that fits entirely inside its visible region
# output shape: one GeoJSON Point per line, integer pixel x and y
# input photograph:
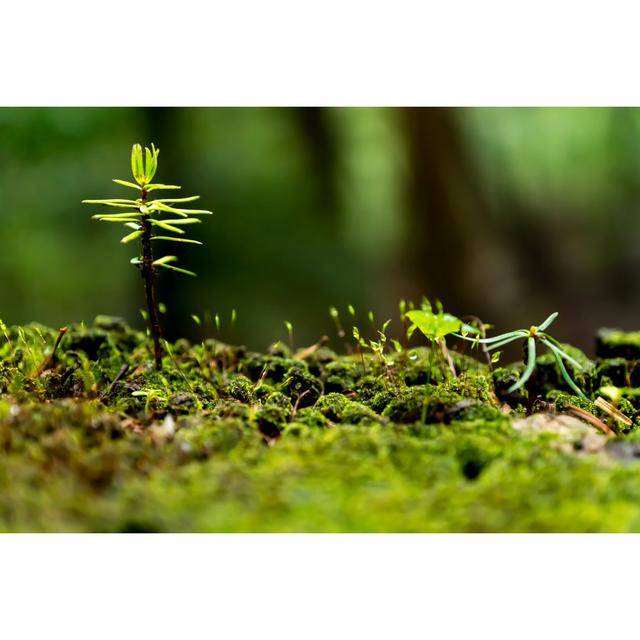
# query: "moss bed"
{"type": "Point", "coordinates": [222, 439]}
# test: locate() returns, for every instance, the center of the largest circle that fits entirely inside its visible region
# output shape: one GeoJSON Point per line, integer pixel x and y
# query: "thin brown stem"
{"type": "Point", "coordinates": [447, 356]}
{"type": "Point", "coordinates": [48, 361]}
{"type": "Point", "coordinates": [149, 277]}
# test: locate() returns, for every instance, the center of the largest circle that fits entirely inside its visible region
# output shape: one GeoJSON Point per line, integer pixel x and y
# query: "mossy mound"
{"type": "Point", "coordinates": [221, 439]}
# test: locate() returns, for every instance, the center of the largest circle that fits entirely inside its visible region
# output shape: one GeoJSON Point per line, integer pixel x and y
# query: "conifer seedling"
{"type": "Point", "coordinates": [147, 221]}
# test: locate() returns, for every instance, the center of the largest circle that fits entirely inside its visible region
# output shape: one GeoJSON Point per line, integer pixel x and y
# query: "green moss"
{"type": "Point", "coordinates": [503, 379]}
{"type": "Point", "coordinates": [224, 440]}
{"type": "Point", "coordinates": [337, 408]}
{"type": "Point", "coordinates": [273, 414]}
{"type": "Point", "coordinates": [369, 386]}
{"type": "Point", "coordinates": [303, 388]}
{"type": "Point", "coordinates": [614, 343]}
{"type": "Point", "coordinates": [311, 417]}
{"type": "Point", "coordinates": [341, 376]}
{"type": "Point", "coordinates": [268, 368]}
{"type": "Point", "coordinates": [240, 388]}
{"type": "Point", "coordinates": [562, 401]}
{"type": "Point", "coordinates": [612, 371]}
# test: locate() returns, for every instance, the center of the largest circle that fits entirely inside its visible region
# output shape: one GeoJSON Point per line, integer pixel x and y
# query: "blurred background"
{"type": "Point", "coordinates": [507, 214]}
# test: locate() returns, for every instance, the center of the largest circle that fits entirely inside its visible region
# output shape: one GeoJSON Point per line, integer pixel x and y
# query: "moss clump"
{"type": "Point", "coordinates": [455, 400]}
{"type": "Point", "coordinates": [183, 403]}
{"type": "Point", "coordinates": [240, 388]}
{"type": "Point", "coordinates": [231, 409]}
{"type": "Point", "coordinates": [273, 414]}
{"type": "Point", "coordinates": [272, 369]}
{"type": "Point", "coordinates": [612, 371]}
{"type": "Point", "coordinates": [311, 417]}
{"type": "Point", "coordinates": [201, 439]}
{"type": "Point", "coordinates": [332, 406]}
{"type": "Point", "coordinates": [341, 376]}
{"type": "Point", "coordinates": [614, 343]}
{"type": "Point", "coordinates": [303, 388]}
{"type": "Point", "coordinates": [422, 366]}
{"type": "Point", "coordinates": [369, 386]}
{"type": "Point", "coordinates": [337, 408]}
{"type": "Point", "coordinates": [380, 400]}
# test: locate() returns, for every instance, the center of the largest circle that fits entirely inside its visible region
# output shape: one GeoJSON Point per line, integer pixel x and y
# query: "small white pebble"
{"type": "Point", "coordinates": [169, 426]}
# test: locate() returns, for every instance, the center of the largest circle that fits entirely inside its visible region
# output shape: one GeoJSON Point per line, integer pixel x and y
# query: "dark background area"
{"type": "Point", "coordinates": [508, 214]}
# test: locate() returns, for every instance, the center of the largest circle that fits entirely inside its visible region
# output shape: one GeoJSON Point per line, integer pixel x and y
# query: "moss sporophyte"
{"type": "Point", "coordinates": [150, 220]}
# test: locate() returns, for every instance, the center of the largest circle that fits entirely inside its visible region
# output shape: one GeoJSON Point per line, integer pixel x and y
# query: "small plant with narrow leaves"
{"type": "Point", "coordinates": [149, 221]}
{"type": "Point", "coordinates": [533, 336]}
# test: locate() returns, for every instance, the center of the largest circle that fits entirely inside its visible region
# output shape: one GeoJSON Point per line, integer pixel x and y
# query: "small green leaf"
{"type": "Point", "coordinates": [151, 171]}
{"type": "Point", "coordinates": [195, 212]}
{"type": "Point", "coordinates": [170, 266]}
{"type": "Point", "coordinates": [548, 321]}
{"type": "Point", "coordinates": [166, 208]}
{"type": "Point", "coordinates": [119, 220]}
{"type": "Point", "coordinates": [132, 225]}
{"type": "Point", "coordinates": [135, 261]}
{"type": "Point", "coordinates": [164, 260]}
{"type": "Point", "coordinates": [124, 214]}
{"type": "Point", "coordinates": [196, 319]}
{"type": "Point", "coordinates": [172, 239]}
{"type": "Point", "coordinates": [183, 221]}
{"type": "Point", "coordinates": [434, 325]}
{"type": "Point", "coordinates": [124, 183]}
{"type": "Point", "coordinates": [531, 363]}
{"type": "Point", "coordinates": [137, 164]}
{"type": "Point", "coordinates": [153, 187]}
{"type": "Point", "coordinates": [170, 200]}
{"type": "Point", "coordinates": [150, 165]}
{"type": "Point", "coordinates": [130, 237]}
{"type": "Point", "coordinates": [163, 225]}
{"type": "Point", "coordinates": [113, 202]}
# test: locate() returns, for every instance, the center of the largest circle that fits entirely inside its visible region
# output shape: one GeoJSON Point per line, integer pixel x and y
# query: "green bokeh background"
{"type": "Point", "coordinates": [508, 214]}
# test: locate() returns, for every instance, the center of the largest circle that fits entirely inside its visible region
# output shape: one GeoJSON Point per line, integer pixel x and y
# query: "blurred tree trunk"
{"type": "Point", "coordinates": [448, 216]}
{"type": "Point", "coordinates": [319, 141]}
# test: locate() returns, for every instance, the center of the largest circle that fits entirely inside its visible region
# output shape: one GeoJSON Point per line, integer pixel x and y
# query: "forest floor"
{"type": "Point", "coordinates": [93, 438]}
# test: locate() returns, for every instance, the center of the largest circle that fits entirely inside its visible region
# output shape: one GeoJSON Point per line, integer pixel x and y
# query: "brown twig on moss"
{"type": "Point", "coordinates": [48, 361]}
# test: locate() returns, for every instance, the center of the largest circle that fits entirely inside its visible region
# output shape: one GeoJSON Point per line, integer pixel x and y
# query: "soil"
{"type": "Point", "coordinates": [94, 438]}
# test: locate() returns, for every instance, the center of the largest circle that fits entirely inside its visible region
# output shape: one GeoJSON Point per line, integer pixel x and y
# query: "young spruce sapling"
{"type": "Point", "coordinates": [147, 221]}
